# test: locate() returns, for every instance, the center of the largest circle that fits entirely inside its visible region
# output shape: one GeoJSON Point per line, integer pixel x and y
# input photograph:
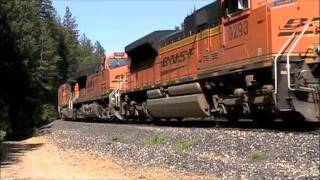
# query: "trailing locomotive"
{"type": "Point", "coordinates": [88, 93]}
{"type": "Point", "coordinates": [240, 58]}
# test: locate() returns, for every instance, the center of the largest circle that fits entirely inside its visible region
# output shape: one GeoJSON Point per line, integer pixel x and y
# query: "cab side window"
{"type": "Point", "coordinates": [243, 4]}
{"type": "Point", "coordinates": [233, 6]}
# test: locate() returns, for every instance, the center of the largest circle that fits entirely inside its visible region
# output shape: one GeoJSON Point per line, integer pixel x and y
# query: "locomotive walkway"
{"type": "Point", "coordinates": [82, 150]}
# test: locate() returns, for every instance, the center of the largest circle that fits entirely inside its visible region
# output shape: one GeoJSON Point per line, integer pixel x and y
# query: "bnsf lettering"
{"type": "Point", "coordinates": [238, 30]}
{"type": "Point", "coordinates": [179, 57]}
{"type": "Point", "coordinates": [294, 23]}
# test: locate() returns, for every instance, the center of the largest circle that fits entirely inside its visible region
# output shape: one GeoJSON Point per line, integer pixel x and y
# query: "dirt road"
{"type": "Point", "coordinates": [38, 158]}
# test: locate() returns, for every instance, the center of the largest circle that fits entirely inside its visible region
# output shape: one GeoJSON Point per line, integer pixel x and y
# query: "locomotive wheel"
{"type": "Point", "coordinates": [233, 117]}
{"type": "Point", "coordinates": [263, 117]}
{"type": "Point", "coordinates": [292, 117]}
{"type": "Point", "coordinates": [233, 114]}
{"type": "Point", "coordinates": [156, 119]}
{"type": "Point", "coordinates": [180, 119]}
{"type": "Point", "coordinates": [142, 119]}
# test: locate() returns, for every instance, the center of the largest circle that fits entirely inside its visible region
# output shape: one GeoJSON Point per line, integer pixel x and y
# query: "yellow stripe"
{"type": "Point", "coordinates": [189, 40]}
{"type": "Point", "coordinates": [177, 44]}
{"type": "Point", "coordinates": [316, 21]}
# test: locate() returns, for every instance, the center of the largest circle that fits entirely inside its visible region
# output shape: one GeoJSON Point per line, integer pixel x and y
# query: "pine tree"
{"type": "Point", "coordinates": [20, 51]}
{"type": "Point", "coordinates": [47, 11]}
{"type": "Point", "coordinates": [87, 52]}
{"type": "Point", "coordinates": [70, 23]}
{"type": "Point", "coordinates": [49, 76]}
{"type": "Point", "coordinates": [68, 47]}
{"type": "Point", "coordinates": [99, 50]}
{"type": "Point", "coordinates": [28, 64]}
{"type": "Point", "coordinates": [37, 54]}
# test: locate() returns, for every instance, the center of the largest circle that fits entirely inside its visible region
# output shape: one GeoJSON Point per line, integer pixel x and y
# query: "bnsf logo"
{"type": "Point", "coordinates": [298, 22]}
{"type": "Point", "coordinates": [178, 57]}
{"type": "Point", "coordinates": [293, 24]}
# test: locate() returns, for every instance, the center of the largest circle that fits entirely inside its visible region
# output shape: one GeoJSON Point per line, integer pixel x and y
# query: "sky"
{"type": "Point", "coordinates": [117, 23]}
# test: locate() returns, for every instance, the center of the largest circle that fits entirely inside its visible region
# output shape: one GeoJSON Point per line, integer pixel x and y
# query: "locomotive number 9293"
{"type": "Point", "coordinates": [238, 30]}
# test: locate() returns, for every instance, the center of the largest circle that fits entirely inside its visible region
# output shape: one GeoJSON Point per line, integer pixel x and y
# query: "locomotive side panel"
{"type": "Point", "coordinates": [139, 79]}
{"type": "Point", "coordinates": [231, 45]}
{"type": "Point", "coordinates": [151, 78]}
{"type": "Point", "coordinates": [157, 72]}
{"type": "Point", "coordinates": [178, 61]}
{"type": "Point", "coordinates": [104, 79]}
{"type": "Point", "coordinates": [245, 36]}
{"type": "Point", "coordinates": [117, 77]}
{"type": "Point", "coordinates": [301, 13]}
{"type": "Point", "coordinates": [211, 49]}
{"type": "Point", "coordinates": [64, 94]}
{"type": "Point", "coordinates": [93, 86]}
{"type": "Point", "coordinates": [131, 82]}
{"type": "Point", "coordinates": [143, 55]}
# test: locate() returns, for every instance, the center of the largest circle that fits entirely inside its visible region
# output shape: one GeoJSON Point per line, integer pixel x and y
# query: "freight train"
{"type": "Point", "coordinates": [256, 59]}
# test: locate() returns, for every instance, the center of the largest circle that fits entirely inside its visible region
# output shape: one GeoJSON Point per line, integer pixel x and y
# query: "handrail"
{"type": "Point", "coordinates": [289, 53]}
{"type": "Point", "coordinates": [121, 82]}
{"type": "Point", "coordinates": [114, 100]}
{"type": "Point", "coordinates": [276, 59]}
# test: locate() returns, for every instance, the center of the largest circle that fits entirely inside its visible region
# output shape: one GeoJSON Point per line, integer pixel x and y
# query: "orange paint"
{"type": "Point", "coordinates": [250, 36]}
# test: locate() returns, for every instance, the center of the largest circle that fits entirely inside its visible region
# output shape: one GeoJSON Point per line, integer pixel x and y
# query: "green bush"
{"type": "Point", "coordinates": [49, 113]}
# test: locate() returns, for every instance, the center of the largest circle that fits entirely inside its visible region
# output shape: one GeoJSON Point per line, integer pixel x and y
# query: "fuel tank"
{"type": "Point", "coordinates": [185, 89]}
{"type": "Point", "coordinates": [179, 106]}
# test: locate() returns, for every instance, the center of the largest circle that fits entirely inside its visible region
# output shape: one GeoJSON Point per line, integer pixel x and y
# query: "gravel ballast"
{"type": "Point", "coordinates": [223, 152]}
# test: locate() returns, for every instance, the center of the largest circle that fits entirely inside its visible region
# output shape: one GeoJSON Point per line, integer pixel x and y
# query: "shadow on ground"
{"type": "Point", "coordinates": [244, 124]}
{"type": "Point", "coordinates": [12, 151]}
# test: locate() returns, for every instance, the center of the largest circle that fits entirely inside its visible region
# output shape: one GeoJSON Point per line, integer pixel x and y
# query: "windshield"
{"type": "Point", "coordinates": [114, 63]}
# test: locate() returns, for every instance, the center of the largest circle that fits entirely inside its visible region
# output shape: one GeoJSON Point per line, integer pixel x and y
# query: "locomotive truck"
{"type": "Point", "coordinates": [232, 58]}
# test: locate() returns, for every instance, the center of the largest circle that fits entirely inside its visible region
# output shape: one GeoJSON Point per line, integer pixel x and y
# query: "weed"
{"type": "Point", "coordinates": [183, 145]}
{"type": "Point", "coordinates": [120, 138]}
{"type": "Point", "coordinates": [257, 155]}
{"type": "Point", "coordinates": [156, 139]}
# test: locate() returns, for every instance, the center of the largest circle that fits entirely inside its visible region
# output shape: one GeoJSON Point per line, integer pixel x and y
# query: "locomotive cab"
{"type": "Point", "coordinates": [116, 66]}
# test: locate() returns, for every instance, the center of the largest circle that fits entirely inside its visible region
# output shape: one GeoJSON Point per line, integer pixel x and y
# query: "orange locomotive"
{"type": "Point", "coordinates": [87, 93]}
{"type": "Point", "coordinates": [232, 58]}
